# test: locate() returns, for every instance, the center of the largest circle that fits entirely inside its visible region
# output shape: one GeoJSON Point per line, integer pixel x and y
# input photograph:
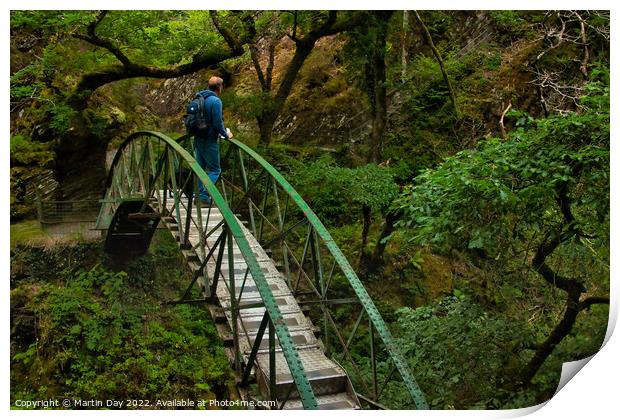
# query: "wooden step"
{"type": "Point", "coordinates": [328, 380]}
{"type": "Point", "coordinates": [301, 339]}
{"type": "Point", "coordinates": [339, 401]}
{"type": "Point", "coordinates": [217, 314]}
{"type": "Point", "coordinates": [325, 376]}
{"type": "Point", "coordinates": [225, 334]}
{"type": "Point", "coordinates": [190, 255]}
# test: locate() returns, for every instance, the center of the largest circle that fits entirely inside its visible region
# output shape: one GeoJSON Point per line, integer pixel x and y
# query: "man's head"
{"type": "Point", "coordinates": [216, 84]}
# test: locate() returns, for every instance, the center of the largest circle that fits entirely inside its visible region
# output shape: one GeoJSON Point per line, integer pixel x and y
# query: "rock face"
{"type": "Point", "coordinates": [167, 98]}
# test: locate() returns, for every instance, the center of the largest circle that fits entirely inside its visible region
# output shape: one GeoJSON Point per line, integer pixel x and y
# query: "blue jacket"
{"type": "Point", "coordinates": [213, 108]}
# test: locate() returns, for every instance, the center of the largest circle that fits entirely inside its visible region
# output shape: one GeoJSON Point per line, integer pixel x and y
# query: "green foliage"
{"type": "Point", "coordinates": [499, 201]}
{"type": "Point", "coordinates": [408, 156]}
{"type": "Point", "coordinates": [160, 37]}
{"type": "Point", "coordinates": [416, 261]}
{"type": "Point", "coordinates": [61, 118]}
{"type": "Point", "coordinates": [32, 95]}
{"type": "Point", "coordinates": [347, 237]}
{"type": "Point", "coordinates": [103, 333]}
{"type": "Point", "coordinates": [334, 190]}
{"type": "Point", "coordinates": [24, 84]}
{"type": "Point", "coordinates": [26, 152]}
{"type": "Point", "coordinates": [510, 23]}
{"type": "Point", "coordinates": [494, 61]}
{"type": "Point", "coordinates": [427, 117]}
{"type": "Point", "coordinates": [462, 355]}
{"type": "Point", "coordinates": [44, 90]}
{"type": "Point", "coordinates": [49, 21]}
{"type": "Point", "coordinates": [438, 22]}
{"type": "Point", "coordinates": [488, 197]}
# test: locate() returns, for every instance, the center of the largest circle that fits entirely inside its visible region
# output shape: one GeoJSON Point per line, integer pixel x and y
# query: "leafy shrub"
{"type": "Point", "coordinates": [336, 193]}
{"type": "Point", "coordinates": [509, 23]}
{"type": "Point", "coordinates": [462, 356]}
{"type": "Point", "coordinates": [62, 115]}
{"type": "Point", "coordinates": [102, 333]}
{"type": "Point", "coordinates": [487, 197]}
{"type": "Point", "coordinates": [25, 152]}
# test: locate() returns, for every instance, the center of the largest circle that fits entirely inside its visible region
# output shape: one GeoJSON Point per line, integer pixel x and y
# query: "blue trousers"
{"type": "Point", "coordinates": [207, 154]}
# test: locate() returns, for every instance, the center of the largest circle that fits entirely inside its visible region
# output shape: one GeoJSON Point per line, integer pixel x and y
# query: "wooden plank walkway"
{"type": "Point", "coordinates": [328, 379]}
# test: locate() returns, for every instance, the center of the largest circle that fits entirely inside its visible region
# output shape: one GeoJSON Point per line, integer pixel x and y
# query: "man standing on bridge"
{"type": "Point", "coordinates": [206, 146]}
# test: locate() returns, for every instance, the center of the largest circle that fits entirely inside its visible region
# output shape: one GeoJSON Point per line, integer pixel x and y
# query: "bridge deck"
{"type": "Point", "coordinates": [328, 379]}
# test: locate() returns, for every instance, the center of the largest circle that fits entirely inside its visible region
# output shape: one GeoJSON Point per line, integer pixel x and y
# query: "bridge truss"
{"type": "Point", "coordinates": [291, 307]}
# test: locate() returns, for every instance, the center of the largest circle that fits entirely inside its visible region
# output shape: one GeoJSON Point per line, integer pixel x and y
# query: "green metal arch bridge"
{"type": "Point", "coordinates": [265, 266]}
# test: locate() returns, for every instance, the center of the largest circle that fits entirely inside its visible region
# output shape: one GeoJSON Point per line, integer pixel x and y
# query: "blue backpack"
{"type": "Point", "coordinates": [196, 118]}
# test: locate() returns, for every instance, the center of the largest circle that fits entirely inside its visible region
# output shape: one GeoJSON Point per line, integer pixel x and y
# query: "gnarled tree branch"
{"type": "Point", "coordinates": [502, 127]}
{"type": "Point", "coordinates": [586, 53]}
{"type": "Point", "coordinates": [572, 286]}
{"type": "Point", "coordinates": [304, 47]}
{"type": "Point", "coordinates": [593, 300]}
{"type": "Point", "coordinates": [235, 45]}
{"type": "Point", "coordinates": [129, 69]}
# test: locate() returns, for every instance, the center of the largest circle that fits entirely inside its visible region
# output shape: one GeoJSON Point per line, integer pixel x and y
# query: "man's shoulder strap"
{"type": "Point", "coordinates": [201, 103]}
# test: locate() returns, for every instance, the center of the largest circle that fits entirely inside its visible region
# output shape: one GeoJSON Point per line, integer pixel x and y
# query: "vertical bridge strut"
{"type": "Point", "coordinates": [282, 294]}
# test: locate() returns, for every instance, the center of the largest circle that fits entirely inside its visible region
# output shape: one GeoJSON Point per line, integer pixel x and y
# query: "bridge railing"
{"type": "Point", "coordinates": [154, 178]}
{"type": "Point", "coordinates": [317, 272]}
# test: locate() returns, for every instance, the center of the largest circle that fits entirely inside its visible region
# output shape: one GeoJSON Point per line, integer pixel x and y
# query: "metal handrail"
{"type": "Point", "coordinates": [314, 224]}
{"type": "Point", "coordinates": [291, 355]}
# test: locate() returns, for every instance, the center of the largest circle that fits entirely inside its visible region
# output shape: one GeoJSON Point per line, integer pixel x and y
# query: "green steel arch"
{"type": "Point", "coordinates": [124, 169]}
{"type": "Point", "coordinates": [338, 257]}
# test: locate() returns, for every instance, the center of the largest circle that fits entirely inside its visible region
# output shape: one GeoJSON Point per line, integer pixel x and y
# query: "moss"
{"type": "Point", "coordinates": [116, 116]}
{"type": "Point", "coordinates": [26, 152]}
{"type": "Point", "coordinates": [334, 86]}
{"type": "Point", "coordinates": [27, 232]}
{"type": "Point", "coordinates": [102, 332]}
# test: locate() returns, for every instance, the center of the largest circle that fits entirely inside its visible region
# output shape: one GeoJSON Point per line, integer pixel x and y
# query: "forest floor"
{"type": "Point", "coordinates": [88, 327]}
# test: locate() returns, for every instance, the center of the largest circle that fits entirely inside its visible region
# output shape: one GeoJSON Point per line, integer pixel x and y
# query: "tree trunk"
{"type": "Point", "coordinates": [303, 48]}
{"type": "Point", "coordinates": [271, 113]}
{"type": "Point", "coordinates": [80, 162]}
{"type": "Point", "coordinates": [572, 286]}
{"type": "Point", "coordinates": [388, 228]}
{"type": "Point", "coordinates": [379, 120]}
{"type": "Point", "coordinates": [376, 78]}
{"type": "Point", "coordinates": [375, 75]}
{"type": "Point", "coordinates": [366, 222]}
{"type": "Point", "coordinates": [560, 331]}
{"type": "Point", "coordinates": [431, 44]}
{"type": "Point", "coordinates": [265, 128]}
